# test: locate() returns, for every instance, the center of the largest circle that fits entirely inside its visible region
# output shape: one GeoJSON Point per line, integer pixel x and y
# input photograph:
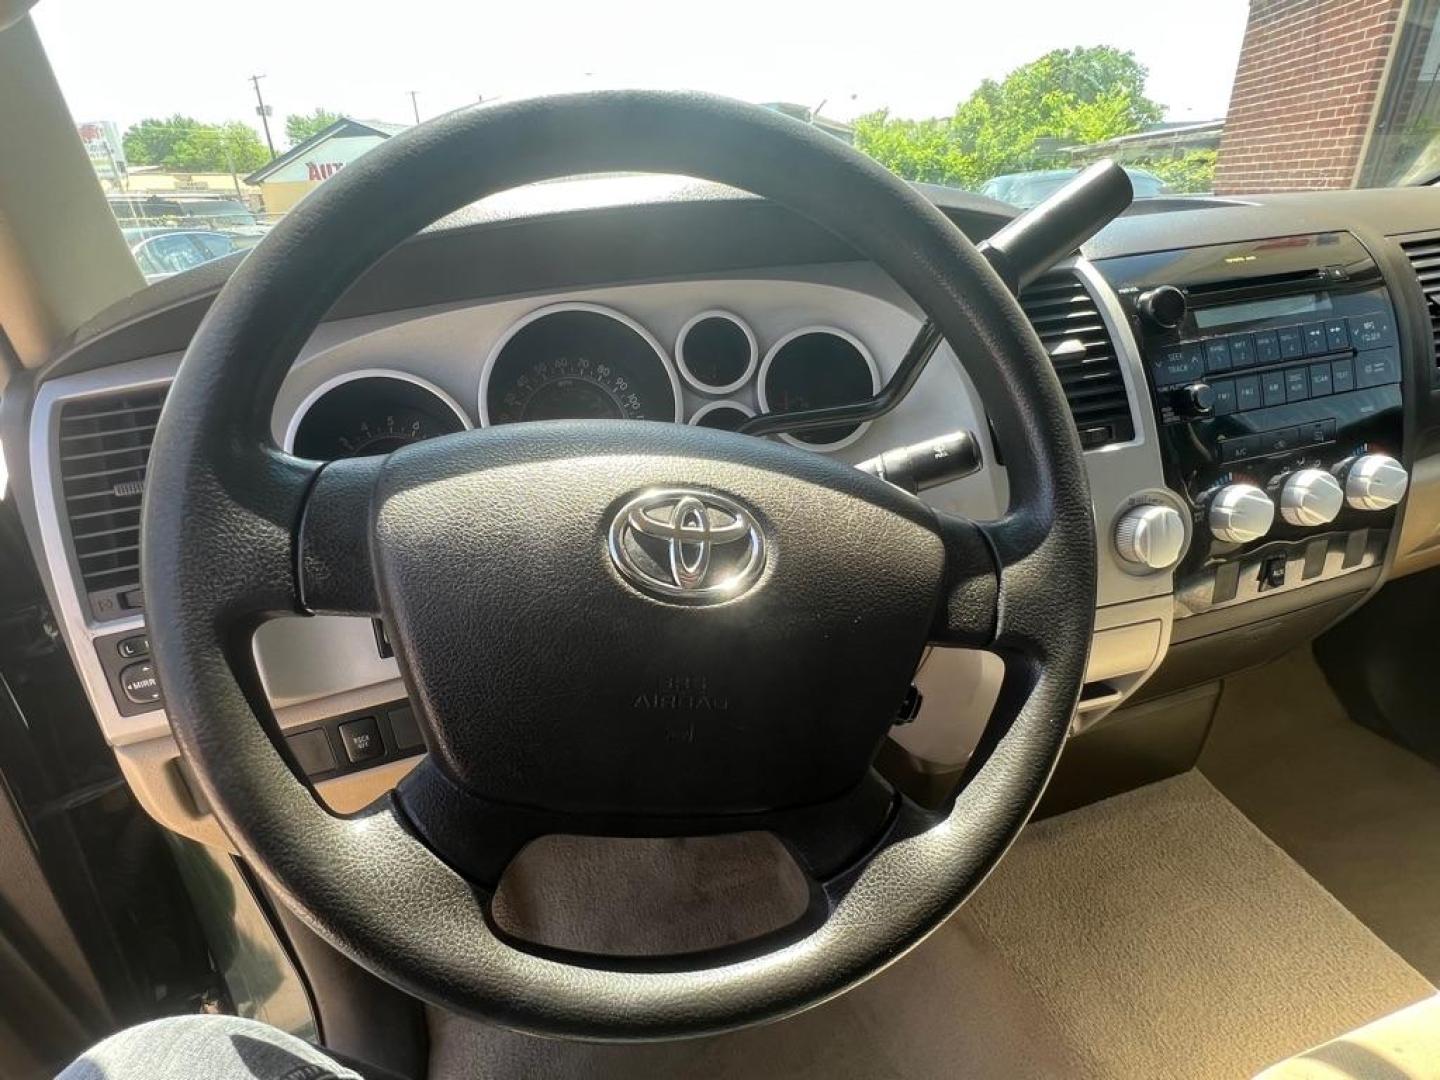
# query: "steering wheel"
{"type": "Point", "coordinates": [614, 628]}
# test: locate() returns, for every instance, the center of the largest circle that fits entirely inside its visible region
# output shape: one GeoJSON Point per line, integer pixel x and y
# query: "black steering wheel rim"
{"type": "Point", "coordinates": [224, 507]}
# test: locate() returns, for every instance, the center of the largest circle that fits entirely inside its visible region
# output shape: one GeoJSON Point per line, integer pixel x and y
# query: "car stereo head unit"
{"type": "Point", "coordinates": [1276, 377]}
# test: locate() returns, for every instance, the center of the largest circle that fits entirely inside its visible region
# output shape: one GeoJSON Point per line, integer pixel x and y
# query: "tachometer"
{"type": "Point", "coordinates": [578, 362]}
{"type": "Point", "coordinates": [371, 412]}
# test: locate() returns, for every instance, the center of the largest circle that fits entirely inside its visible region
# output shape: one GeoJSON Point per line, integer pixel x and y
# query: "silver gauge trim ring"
{"type": "Point", "coordinates": [298, 417]}
{"type": "Point", "coordinates": [690, 377]}
{"type": "Point", "coordinates": [774, 350]}
{"type": "Point", "coordinates": [595, 309]}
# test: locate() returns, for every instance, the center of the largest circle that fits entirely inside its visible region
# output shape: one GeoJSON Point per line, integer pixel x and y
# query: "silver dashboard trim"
{"type": "Point", "coordinates": [308, 402]}
{"type": "Point", "coordinates": [578, 305]}
{"type": "Point", "coordinates": [77, 626]}
{"type": "Point", "coordinates": [785, 339]}
{"type": "Point", "coordinates": [691, 378]}
{"type": "Point", "coordinates": [719, 403]}
{"type": "Point", "coordinates": [1116, 472]}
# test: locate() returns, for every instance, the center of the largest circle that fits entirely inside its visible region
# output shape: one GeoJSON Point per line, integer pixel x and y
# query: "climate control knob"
{"type": "Point", "coordinates": [1375, 482]}
{"type": "Point", "coordinates": [1240, 513]}
{"type": "Point", "coordinates": [1310, 497]}
{"type": "Point", "coordinates": [1151, 536]}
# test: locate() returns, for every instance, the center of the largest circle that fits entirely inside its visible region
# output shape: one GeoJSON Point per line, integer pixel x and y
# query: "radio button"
{"type": "Point", "coordinates": [1292, 342]}
{"type": "Point", "coordinates": [1242, 351]}
{"type": "Point", "coordinates": [1377, 368]}
{"type": "Point", "coordinates": [1371, 331]}
{"type": "Point", "coordinates": [1316, 341]}
{"type": "Point", "coordinates": [1297, 384]}
{"type": "Point", "coordinates": [1336, 334]}
{"type": "Point", "coordinates": [1247, 392]}
{"type": "Point", "coordinates": [1272, 387]}
{"type": "Point", "coordinates": [1267, 347]}
{"type": "Point", "coordinates": [1224, 396]}
{"type": "Point", "coordinates": [1319, 380]}
{"type": "Point", "coordinates": [1342, 375]}
{"type": "Point", "coordinates": [1217, 355]}
{"type": "Point", "coordinates": [1179, 364]}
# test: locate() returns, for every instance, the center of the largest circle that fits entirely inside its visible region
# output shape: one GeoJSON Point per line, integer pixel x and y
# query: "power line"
{"type": "Point", "coordinates": [415, 105]}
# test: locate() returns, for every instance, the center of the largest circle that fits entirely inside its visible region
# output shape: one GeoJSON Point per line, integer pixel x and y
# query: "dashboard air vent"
{"type": "Point", "coordinates": [1070, 327]}
{"type": "Point", "coordinates": [1424, 255]}
{"type": "Point", "coordinates": [104, 447]}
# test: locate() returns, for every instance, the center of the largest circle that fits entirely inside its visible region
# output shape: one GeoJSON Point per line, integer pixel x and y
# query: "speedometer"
{"type": "Point", "coordinates": [371, 412]}
{"type": "Point", "coordinates": [578, 362]}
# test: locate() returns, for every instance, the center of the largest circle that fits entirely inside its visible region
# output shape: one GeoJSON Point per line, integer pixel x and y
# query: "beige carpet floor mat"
{"type": "Point", "coordinates": [1359, 813]}
{"type": "Point", "coordinates": [1156, 934]}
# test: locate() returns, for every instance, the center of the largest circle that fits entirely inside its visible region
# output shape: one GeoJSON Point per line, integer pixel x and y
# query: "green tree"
{"type": "Point", "coordinates": [1066, 97]}
{"type": "Point", "coordinates": [302, 126]}
{"type": "Point", "coordinates": [1187, 174]}
{"type": "Point", "coordinates": [185, 144]}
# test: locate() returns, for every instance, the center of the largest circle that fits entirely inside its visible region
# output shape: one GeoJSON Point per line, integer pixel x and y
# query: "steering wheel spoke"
{"type": "Point", "coordinates": [334, 575]}
{"type": "Point", "coordinates": [968, 608]}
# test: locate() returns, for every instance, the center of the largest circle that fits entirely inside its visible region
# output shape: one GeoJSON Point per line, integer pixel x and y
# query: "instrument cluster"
{"type": "Point", "coordinates": [586, 361]}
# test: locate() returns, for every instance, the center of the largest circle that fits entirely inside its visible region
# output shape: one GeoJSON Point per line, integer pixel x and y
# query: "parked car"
{"type": "Point", "coordinates": [168, 252]}
{"type": "Point", "coordinates": [1028, 188]}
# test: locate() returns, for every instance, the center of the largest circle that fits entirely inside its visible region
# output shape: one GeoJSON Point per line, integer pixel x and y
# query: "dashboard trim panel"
{"type": "Point", "coordinates": [340, 379]}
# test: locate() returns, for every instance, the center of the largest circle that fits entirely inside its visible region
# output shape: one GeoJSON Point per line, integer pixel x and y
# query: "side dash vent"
{"type": "Point", "coordinates": [1424, 255]}
{"type": "Point", "coordinates": [104, 449]}
{"type": "Point", "coordinates": [1070, 327]}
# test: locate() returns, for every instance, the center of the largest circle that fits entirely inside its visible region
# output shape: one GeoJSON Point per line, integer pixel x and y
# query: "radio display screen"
{"type": "Point", "coordinates": [1278, 308]}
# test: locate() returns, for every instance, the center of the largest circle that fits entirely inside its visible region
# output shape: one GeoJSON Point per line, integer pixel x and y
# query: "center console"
{"type": "Point", "coordinates": [1275, 374]}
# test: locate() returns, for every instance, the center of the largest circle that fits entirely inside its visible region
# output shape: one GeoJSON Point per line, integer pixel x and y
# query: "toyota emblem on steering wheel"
{"type": "Point", "coordinates": [692, 546]}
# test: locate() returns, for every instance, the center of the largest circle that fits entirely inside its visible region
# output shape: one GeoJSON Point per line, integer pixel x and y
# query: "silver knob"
{"type": "Point", "coordinates": [1311, 497]}
{"type": "Point", "coordinates": [1240, 513]}
{"type": "Point", "coordinates": [1375, 482]}
{"type": "Point", "coordinates": [1152, 536]}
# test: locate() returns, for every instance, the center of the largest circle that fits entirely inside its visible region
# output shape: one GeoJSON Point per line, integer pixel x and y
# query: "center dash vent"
{"type": "Point", "coordinates": [104, 448]}
{"type": "Point", "coordinates": [1424, 255]}
{"type": "Point", "coordinates": [1069, 325]}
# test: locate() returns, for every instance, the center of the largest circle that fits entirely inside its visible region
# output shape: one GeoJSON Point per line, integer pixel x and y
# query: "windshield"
{"type": "Point", "coordinates": [206, 124]}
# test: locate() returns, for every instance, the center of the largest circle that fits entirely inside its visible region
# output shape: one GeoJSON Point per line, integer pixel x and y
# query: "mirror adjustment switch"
{"type": "Point", "coordinates": [139, 683]}
{"type": "Point", "coordinates": [362, 739]}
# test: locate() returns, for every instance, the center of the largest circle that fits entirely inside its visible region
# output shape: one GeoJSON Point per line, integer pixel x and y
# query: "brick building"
{"type": "Point", "coordinates": [1331, 93]}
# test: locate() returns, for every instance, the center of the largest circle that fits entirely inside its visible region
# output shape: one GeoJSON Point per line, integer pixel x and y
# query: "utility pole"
{"type": "Point", "coordinates": [415, 105]}
{"type": "Point", "coordinates": [263, 111]}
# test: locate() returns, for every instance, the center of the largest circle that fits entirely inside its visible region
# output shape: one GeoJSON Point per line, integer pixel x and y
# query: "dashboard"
{"type": "Point", "coordinates": [1253, 384]}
